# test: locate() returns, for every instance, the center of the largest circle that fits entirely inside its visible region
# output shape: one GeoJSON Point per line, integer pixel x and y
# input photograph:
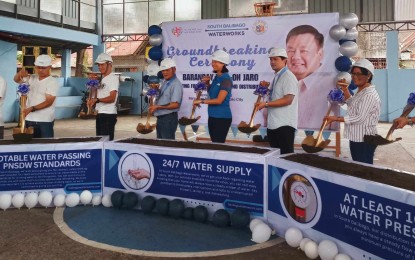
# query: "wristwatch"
{"type": "Point", "coordinates": [266, 104]}
{"type": "Point", "coordinates": [33, 109]}
{"type": "Point", "coordinates": [98, 100]}
{"type": "Point", "coordinates": [203, 101]}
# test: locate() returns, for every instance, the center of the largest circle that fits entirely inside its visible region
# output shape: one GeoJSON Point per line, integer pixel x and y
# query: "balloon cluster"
{"type": "Point", "coordinates": [261, 90]}
{"type": "Point", "coordinates": [411, 99]}
{"type": "Point", "coordinates": [23, 89]}
{"type": "Point", "coordinates": [46, 199]}
{"type": "Point", "coordinates": [336, 96]}
{"type": "Point", "coordinates": [326, 249]}
{"type": "Point", "coordinates": [155, 53]}
{"type": "Point", "coordinates": [346, 34]}
{"type": "Point", "coordinates": [92, 83]}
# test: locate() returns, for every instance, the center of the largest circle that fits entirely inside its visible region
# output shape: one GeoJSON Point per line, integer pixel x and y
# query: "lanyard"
{"type": "Point", "coordinates": [274, 82]}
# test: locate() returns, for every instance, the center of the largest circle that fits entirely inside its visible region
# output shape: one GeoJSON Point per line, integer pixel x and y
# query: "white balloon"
{"type": "Point", "coordinates": [342, 257]}
{"type": "Point", "coordinates": [311, 249]}
{"type": "Point", "coordinates": [261, 233]}
{"type": "Point", "coordinates": [303, 242]}
{"type": "Point", "coordinates": [293, 236]}
{"type": "Point", "coordinates": [106, 201]}
{"type": "Point", "coordinates": [31, 200]}
{"type": "Point", "coordinates": [72, 200]}
{"type": "Point", "coordinates": [153, 69]}
{"type": "Point", "coordinates": [96, 200]}
{"type": "Point", "coordinates": [86, 197]}
{"type": "Point", "coordinates": [351, 34]}
{"type": "Point", "coordinates": [344, 75]}
{"type": "Point", "coordinates": [348, 20]}
{"type": "Point", "coordinates": [349, 49]}
{"type": "Point", "coordinates": [45, 198]}
{"type": "Point", "coordinates": [327, 250]}
{"type": "Point", "coordinates": [59, 200]}
{"type": "Point", "coordinates": [18, 200]}
{"type": "Point", "coordinates": [254, 222]}
{"type": "Point", "coordinates": [5, 201]}
{"type": "Point", "coordinates": [337, 32]}
{"type": "Point", "coordinates": [155, 40]}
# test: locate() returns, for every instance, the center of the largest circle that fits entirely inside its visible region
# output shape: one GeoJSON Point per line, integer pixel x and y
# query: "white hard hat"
{"type": "Point", "coordinates": [43, 61]}
{"type": "Point", "coordinates": [364, 63]}
{"type": "Point", "coordinates": [103, 58]}
{"type": "Point", "coordinates": [277, 52]}
{"type": "Point", "coordinates": [167, 63]}
{"type": "Point", "coordinates": [221, 56]}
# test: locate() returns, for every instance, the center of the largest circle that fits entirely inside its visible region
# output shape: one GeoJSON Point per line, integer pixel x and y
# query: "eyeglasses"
{"type": "Point", "coordinates": [357, 74]}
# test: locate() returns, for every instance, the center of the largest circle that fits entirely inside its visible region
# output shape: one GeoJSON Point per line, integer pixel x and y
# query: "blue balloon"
{"type": "Point", "coordinates": [344, 40]}
{"type": "Point", "coordinates": [343, 63]}
{"type": "Point", "coordinates": [154, 29]}
{"type": "Point", "coordinates": [160, 75]}
{"type": "Point", "coordinates": [153, 80]}
{"type": "Point", "coordinates": [145, 78]}
{"type": "Point", "coordinates": [155, 53]}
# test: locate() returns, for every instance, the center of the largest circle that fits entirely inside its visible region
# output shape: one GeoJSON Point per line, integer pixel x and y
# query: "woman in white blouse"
{"type": "Point", "coordinates": [363, 110]}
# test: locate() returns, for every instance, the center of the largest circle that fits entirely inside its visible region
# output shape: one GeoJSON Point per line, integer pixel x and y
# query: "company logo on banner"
{"type": "Point", "coordinates": [248, 40]}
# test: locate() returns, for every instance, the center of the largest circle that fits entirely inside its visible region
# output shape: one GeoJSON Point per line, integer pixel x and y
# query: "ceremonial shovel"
{"type": "Point", "coordinates": [191, 120]}
{"type": "Point", "coordinates": [379, 140]}
{"type": "Point", "coordinates": [311, 145]}
{"type": "Point", "coordinates": [90, 113]}
{"type": "Point", "coordinates": [22, 134]}
{"type": "Point", "coordinates": [147, 128]}
{"type": "Point", "coordinates": [249, 128]}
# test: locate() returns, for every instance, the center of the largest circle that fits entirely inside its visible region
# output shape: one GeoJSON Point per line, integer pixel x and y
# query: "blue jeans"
{"type": "Point", "coordinates": [41, 129]}
{"type": "Point", "coordinates": [167, 125]}
{"type": "Point", "coordinates": [362, 152]}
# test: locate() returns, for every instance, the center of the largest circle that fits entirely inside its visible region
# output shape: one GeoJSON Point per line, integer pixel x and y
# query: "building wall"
{"type": "Point", "coordinates": [8, 68]}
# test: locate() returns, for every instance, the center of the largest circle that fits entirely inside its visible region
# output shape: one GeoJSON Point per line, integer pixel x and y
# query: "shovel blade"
{"type": "Point", "coordinates": [378, 140]}
{"type": "Point", "coordinates": [188, 121]}
{"type": "Point", "coordinates": [248, 129]}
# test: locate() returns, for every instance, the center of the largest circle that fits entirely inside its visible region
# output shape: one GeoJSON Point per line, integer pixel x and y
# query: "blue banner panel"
{"type": "Point", "coordinates": [73, 170]}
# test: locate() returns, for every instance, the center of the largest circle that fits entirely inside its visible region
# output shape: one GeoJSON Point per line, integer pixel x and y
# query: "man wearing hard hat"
{"type": "Point", "coordinates": [283, 103]}
{"type": "Point", "coordinates": [107, 93]}
{"type": "Point", "coordinates": [40, 106]}
{"type": "Point", "coordinates": [168, 103]}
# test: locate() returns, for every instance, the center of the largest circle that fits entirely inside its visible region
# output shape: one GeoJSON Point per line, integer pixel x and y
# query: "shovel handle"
{"type": "Point", "coordinates": [251, 121]}
{"type": "Point", "coordinates": [406, 111]}
{"type": "Point", "coordinates": [320, 133]}
{"type": "Point", "coordinates": [198, 95]}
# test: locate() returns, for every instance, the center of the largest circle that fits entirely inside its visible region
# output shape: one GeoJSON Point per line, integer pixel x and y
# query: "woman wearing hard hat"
{"type": "Point", "coordinates": [363, 111]}
{"type": "Point", "coordinates": [219, 111]}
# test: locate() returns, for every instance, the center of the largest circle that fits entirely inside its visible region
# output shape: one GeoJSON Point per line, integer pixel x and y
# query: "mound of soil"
{"type": "Point", "coordinates": [52, 140]}
{"type": "Point", "coordinates": [386, 176]}
{"type": "Point", "coordinates": [194, 145]}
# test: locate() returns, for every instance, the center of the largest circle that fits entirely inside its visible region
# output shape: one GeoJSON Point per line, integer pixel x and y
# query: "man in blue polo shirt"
{"type": "Point", "coordinates": [167, 104]}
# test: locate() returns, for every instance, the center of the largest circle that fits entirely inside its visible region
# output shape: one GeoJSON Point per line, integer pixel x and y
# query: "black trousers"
{"type": "Point", "coordinates": [219, 128]}
{"type": "Point", "coordinates": [282, 138]}
{"type": "Point", "coordinates": [105, 124]}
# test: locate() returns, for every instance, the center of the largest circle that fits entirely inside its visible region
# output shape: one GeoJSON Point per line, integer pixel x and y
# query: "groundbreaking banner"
{"type": "Point", "coordinates": [366, 219]}
{"type": "Point", "coordinates": [311, 57]}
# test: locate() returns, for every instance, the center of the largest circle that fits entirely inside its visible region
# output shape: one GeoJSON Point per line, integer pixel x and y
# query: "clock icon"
{"type": "Point", "coordinates": [300, 194]}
